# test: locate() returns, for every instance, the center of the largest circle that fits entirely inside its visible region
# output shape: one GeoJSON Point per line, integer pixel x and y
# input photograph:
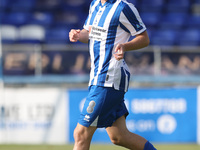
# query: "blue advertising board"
{"type": "Point", "coordinates": [159, 115]}
{"type": "Point", "coordinates": [163, 115]}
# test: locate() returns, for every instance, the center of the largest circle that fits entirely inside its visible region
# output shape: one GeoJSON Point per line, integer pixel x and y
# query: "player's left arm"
{"type": "Point", "coordinates": [132, 22]}
{"type": "Point", "coordinates": [140, 41]}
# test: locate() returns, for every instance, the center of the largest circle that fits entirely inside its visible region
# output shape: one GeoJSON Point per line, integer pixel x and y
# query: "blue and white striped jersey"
{"type": "Point", "coordinates": [110, 24]}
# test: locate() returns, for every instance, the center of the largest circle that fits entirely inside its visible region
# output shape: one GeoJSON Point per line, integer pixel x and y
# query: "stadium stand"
{"type": "Point", "coordinates": [4, 5]}
{"type": "Point", "coordinates": [189, 37]}
{"type": "Point", "coordinates": [56, 35]}
{"type": "Point", "coordinates": [151, 19]}
{"type": "Point", "coordinates": [41, 18]}
{"type": "Point", "coordinates": [178, 6]}
{"type": "Point", "coordinates": [152, 6]}
{"type": "Point", "coordinates": [9, 34]}
{"type": "Point", "coordinates": [21, 5]}
{"type": "Point", "coordinates": [16, 18]}
{"type": "Point", "coordinates": [31, 34]}
{"type": "Point", "coordinates": [47, 5]}
{"type": "Point", "coordinates": [164, 37]}
{"type": "Point", "coordinates": [169, 23]}
{"type": "Point", "coordinates": [157, 14]}
{"type": "Point", "coordinates": [194, 22]}
{"type": "Point", "coordinates": [173, 20]}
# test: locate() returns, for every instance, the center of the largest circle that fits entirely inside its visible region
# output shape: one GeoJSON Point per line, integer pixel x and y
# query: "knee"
{"type": "Point", "coordinates": [79, 134]}
{"type": "Point", "coordinates": [82, 134]}
{"type": "Point", "coordinates": [117, 140]}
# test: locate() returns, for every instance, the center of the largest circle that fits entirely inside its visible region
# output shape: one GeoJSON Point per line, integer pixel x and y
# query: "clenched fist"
{"type": "Point", "coordinates": [74, 35]}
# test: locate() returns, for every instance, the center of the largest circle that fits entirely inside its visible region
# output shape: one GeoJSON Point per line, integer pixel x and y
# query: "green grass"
{"type": "Point", "coordinates": [94, 147]}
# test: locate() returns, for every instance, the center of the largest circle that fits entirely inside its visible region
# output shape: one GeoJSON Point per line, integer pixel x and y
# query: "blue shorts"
{"type": "Point", "coordinates": [103, 106]}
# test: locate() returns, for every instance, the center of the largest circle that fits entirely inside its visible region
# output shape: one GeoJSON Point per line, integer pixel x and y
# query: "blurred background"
{"type": "Point", "coordinates": [43, 76]}
{"type": "Point", "coordinates": [35, 42]}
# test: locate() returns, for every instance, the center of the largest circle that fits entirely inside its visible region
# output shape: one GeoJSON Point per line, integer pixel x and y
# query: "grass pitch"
{"type": "Point", "coordinates": [95, 147]}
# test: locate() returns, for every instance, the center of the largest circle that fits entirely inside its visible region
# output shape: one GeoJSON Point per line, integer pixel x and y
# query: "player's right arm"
{"type": "Point", "coordinates": [79, 35]}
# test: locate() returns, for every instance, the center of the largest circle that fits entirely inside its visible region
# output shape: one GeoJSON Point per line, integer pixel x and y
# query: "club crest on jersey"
{"type": "Point", "coordinates": [138, 26]}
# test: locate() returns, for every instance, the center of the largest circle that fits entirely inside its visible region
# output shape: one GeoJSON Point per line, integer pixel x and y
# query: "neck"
{"type": "Point", "coordinates": [103, 1]}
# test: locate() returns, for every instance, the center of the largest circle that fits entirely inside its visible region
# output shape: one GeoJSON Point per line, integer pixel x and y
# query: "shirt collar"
{"type": "Point", "coordinates": [111, 1]}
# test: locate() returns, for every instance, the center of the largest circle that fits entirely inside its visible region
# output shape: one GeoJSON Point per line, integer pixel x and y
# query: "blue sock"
{"type": "Point", "coordinates": [149, 146]}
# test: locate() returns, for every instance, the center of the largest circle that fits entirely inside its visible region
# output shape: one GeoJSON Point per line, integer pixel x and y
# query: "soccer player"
{"type": "Point", "coordinates": [109, 25]}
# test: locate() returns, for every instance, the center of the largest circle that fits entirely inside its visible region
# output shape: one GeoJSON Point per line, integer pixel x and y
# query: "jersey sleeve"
{"type": "Point", "coordinates": [130, 20]}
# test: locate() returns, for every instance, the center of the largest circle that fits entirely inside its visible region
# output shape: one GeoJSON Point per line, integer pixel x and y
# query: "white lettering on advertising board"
{"type": "Point", "coordinates": [33, 115]}
{"type": "Point", "coordinates": [166, 124]}
{"type": "Point", "coordinates": [141, 125]}
{"type": "Point", "coordinates": [155, 106]}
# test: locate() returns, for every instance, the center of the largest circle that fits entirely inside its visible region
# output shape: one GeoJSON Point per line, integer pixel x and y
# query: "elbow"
{"type": "Point", "coordinates": [145, 39]}
{"type": "Point", "coordinates": [147, 42]}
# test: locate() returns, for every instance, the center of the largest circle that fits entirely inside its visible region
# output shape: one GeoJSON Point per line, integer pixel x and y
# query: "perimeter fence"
{"type": "Point", "coordinates": [65, 64]}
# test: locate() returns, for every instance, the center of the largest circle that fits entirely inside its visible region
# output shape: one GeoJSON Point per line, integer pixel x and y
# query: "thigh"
{"type": "Point", "coordinates": [118, 128]}
{"type": "Point", "coordinates": [83, 136]}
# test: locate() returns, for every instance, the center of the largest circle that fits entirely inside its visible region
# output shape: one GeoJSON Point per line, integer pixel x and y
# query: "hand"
{"type": "Point", "coordinates": [119, 52]}
{"type": "Point", "coordinates": [74, 35]}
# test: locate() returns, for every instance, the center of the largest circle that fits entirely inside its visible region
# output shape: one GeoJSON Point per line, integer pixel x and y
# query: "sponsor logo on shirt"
{"type": "Point", "coordinates": [97, 33]}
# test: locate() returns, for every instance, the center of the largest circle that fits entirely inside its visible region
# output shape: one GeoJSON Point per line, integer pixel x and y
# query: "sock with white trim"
{"type": "Point", "coordinates": [149, 146]}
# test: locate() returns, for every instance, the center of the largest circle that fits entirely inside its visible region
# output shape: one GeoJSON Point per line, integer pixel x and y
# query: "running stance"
{"type": "Point", "coordinates": [109, 25]}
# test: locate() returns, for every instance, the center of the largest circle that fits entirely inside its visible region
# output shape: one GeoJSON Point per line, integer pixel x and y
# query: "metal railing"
{"type": "Point", "coordinates": [77, 56]}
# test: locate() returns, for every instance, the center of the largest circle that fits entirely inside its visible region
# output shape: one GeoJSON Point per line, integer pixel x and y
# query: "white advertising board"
{"type": "Point", "coordinates": [33, 115]}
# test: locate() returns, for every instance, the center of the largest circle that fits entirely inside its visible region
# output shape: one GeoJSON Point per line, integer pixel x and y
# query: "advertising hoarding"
{"type": "Point", "coordinates": [159, 115]}
{"type": "Point", "coordinates": [33, 115]}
